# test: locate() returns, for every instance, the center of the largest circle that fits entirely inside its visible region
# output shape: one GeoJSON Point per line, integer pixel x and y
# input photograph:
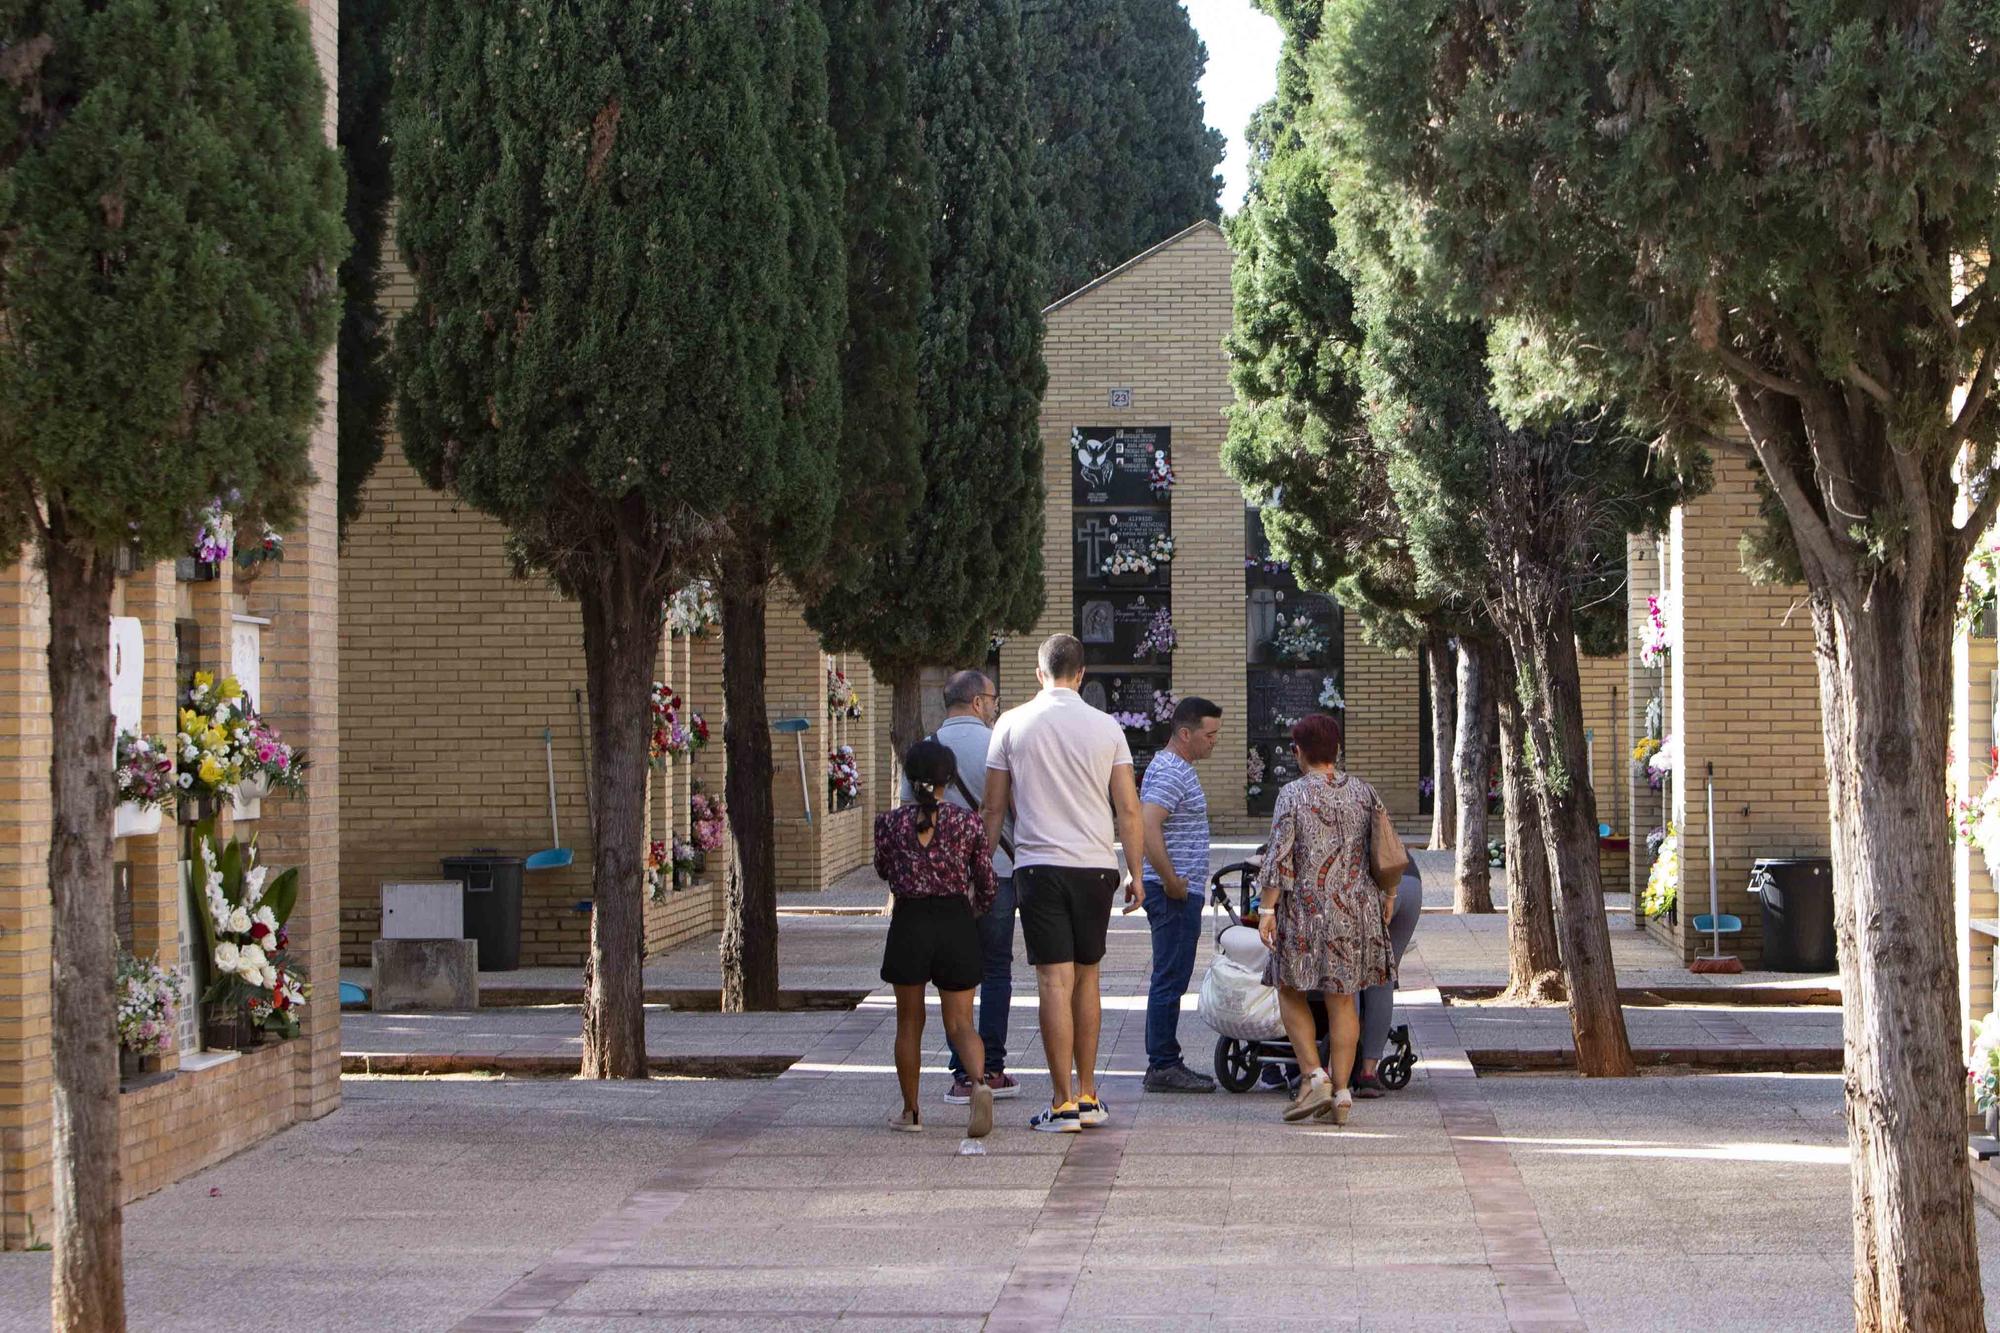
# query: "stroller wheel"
{"type": "Point", "coordinates": [1395, 1072]}
{"type": "Point", "coordinates": [1236, 1066]}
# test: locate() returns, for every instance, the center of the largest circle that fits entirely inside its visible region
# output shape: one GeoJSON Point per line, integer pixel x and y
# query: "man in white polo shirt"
{"type": "Point", "coordinates": [1065, 771]}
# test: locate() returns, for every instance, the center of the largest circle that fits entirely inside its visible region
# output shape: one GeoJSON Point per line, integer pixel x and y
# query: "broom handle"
{"type": "Point", "coordinates": [549, 760]}
{"type": "Point", "coordinates": [1714, 920]}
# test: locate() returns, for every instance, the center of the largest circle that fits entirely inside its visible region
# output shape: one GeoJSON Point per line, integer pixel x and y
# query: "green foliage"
{"type": "Point", "coordinates": [1124, 158]}
{"type": "Point", "coordinates": [969, 559]}
{"type": "Point", "coordinates": [1295, 440]}
{"type": "Point", "coordinates": [171, 219]}
{"type": "Point", "coordinates": [1773, 216]}
{"type": "Point", "coordinates": [888, 197]}
{"type": "Point", "coordinates": [625, 229]}
{"type": "Point", "coordinates": [365, 386]}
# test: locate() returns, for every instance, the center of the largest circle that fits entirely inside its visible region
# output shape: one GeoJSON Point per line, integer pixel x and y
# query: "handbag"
{"type": "Point", "coordinates": [1388, 859]}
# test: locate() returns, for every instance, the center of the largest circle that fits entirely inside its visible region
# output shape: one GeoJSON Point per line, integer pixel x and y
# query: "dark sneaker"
{"type": "Point", "coordinates": [1092, 1111]}
{"type": "Point", "coordinates": [960, 1093]}
{"type": "Point", "coordinates": [1367, 1087]}
{"type": "Point", "coordinates": [1178, 1078]}
{"type": "Point", "coordinates": [1003, 1085]}
{"type": "Point", "coordinates": [1057, 1120]}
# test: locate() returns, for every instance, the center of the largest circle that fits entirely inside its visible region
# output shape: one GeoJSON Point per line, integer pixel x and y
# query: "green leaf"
{"type": "Point", "coordinates": [281, 895]}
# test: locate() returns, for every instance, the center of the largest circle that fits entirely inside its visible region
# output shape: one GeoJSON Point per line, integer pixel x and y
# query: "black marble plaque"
{"type": "Point", "coordinates": [1128, 696]}
{"type": "Point", "coordinates": [1270, 766]}
{"type": "Point", "coordinates": [1111, 625]}
{"type": "Point", "coordinates": [1121, 548]}
{"type": "Point", "coordinates": [1294, 629]}
{"type": "Point", "coordinates": [1113, 465]}
{"type": "Point", "coordinates": [1280, 698]}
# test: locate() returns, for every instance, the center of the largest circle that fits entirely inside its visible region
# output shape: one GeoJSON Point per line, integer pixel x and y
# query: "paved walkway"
{"type": "Point", "coordinates": [1533, 1202]}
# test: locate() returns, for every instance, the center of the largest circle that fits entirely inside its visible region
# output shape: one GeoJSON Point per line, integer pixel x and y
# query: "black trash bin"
{"type": "Point", "coordinates": [1797, 898]}
{"type": "Point", "coordinates": [492, 906]}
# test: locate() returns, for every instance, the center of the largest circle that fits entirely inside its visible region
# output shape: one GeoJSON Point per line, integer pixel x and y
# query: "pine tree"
{"type": "Point", "coordinates": [365, 387]}
{"type": "Point", "coordinates": [969, 561]}
{"type": "Point", "coordinates": [1774, 235]}
{"type": "Point", "coordinates": [171, 210]}
{"type": "Point", "coordinates": [624, 227]}
{"type": "Point", "coordinates": [1124, 158]}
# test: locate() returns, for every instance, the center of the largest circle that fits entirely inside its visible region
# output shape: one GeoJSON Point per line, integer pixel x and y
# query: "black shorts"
{"type": "Point", "coordinates": [1065, 912]}
{"type": "Point", "coordinates": [933, 941]}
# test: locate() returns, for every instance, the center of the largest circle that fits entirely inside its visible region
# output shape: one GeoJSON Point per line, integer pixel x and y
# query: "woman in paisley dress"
{"type": "Point", "coordinates": [1321, 914]}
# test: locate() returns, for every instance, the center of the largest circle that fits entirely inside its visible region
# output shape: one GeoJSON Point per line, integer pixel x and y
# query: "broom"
{"type": "Point", "coordinates": [1717, 961]}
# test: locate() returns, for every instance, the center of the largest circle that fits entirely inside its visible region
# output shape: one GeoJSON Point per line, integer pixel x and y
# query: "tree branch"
{"type": "Point", "coordinates": [1815, 538]}
{"type": "Point", "coordinates": [1744, 368]}
{"type": "Point", "coordinates": [1976, 394]}
{"type": "Point", "coordinates": [1868, 383]}
{"type": "Point", "coordinates": [1982, 515]}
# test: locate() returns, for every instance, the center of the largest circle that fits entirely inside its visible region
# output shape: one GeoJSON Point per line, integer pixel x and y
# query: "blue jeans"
{"type": "Point", "coordinates": [1176, 931]}
{"type": "Point", "coordinates": [996, 991]}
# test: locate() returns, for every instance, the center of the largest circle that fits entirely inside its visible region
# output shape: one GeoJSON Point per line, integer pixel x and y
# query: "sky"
{"type": "Point", "coordinates": [1242, 75]}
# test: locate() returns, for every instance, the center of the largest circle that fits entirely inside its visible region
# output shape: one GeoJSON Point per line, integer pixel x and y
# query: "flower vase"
{"type": "Point", "coordinates": [133, 820]}
{"type": "Point", "coordinates": [131, 1064]}
{"type": "Point", "coordinates": [1993, 1121]}
{"type": "Point", "coordinates": [250, 573]}
{"type": "Point", "coordinates": [227, 1027]}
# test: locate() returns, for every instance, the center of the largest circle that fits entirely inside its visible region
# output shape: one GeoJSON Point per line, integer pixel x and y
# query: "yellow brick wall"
{"type": "Point", "coordinates": [1746, 697]}
{"type": "Point", "coordinates": [1383, 738]}
{"type": "Point", "coordinates": [1604, 686]}
{"type": "Point", "coordinates": [1973, 738]}
{"type": "Point", "coordinates": [812, 855]}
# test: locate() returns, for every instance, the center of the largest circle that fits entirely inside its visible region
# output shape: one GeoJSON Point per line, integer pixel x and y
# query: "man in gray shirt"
{"type": "Point", "coordinates": [971, 703]}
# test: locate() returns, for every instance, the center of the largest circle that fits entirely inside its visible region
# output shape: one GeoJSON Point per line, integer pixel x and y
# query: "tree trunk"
{"type": "Point", "coordinates": [750, 931]}
{"type": "Point", "coordinates": [1543, 639]}
{"type": "Point", "coordinates": [88, 1282]}
{"type": "Point", "coordinates": [1472, 760]}
{"type": "Point", "coordinates": [1441, 661]}
{"type": "Point", "coordinates": [1885, 690]}
{"type": "Point", "coordinates": [621, 642]}
{"type": "Point", "coordinates": [906, 709]}
{"type": "Point", "coordinates": [1534, 964]}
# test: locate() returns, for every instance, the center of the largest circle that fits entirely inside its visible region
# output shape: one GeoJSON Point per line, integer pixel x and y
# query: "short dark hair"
{"type": "Point", "coordinates": [1061, 657]}
{"type": "Point", "coordinates": [964, 687]}
{"type": "Point", "coordinates": [1190, 711]}
{"type": "Point", "coordinates": [1319, 738]}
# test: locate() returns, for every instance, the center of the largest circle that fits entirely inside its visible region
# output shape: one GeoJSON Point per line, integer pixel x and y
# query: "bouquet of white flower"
{"type": "Point", "coordinates": [249, 949]}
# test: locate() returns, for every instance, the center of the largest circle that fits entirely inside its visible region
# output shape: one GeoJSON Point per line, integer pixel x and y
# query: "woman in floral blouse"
{"type": "Point", "coordinates": [940, 874]}
{"type": "Point", "coordinates": [1322, 915]}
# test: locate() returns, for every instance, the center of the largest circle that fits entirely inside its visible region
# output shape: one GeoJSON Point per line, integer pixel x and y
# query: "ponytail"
{"type": "Point", "coordinates": [930, 767]}
{"type": "Point", "coordinates": [927, 806]}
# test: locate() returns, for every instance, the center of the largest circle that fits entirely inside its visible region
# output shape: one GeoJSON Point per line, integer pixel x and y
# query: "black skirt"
{"type": "Point", "coordinates": [933, 941]}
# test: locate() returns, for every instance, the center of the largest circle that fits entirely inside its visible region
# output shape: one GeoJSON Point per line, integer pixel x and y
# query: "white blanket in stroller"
{"type": "Point", "coordinates": [1234, 999]}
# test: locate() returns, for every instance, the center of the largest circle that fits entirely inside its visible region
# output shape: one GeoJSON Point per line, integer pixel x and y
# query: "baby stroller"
{"type": "Point", "coordinates": [1244, 1011]}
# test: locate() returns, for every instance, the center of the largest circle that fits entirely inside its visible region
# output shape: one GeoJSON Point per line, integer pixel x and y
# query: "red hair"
{"type": "Point", "coordinates": [1318, 738]}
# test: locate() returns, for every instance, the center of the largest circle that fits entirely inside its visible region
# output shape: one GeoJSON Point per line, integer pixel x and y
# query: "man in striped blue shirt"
{"type": "Point", "coordinates": [1176, 820]}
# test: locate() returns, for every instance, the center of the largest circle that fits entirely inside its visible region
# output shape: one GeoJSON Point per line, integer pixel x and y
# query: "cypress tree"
{"type": "Point", "coordinates": [362, 134]}
{"type": "Point", "coordinates": [1123, 156]}
{"type": "Point", "coordinates": [968, 562]}
{"type": "Point", "coordinates": [624, 230]}
{"type": "Point", "coordinates": [171, 210]}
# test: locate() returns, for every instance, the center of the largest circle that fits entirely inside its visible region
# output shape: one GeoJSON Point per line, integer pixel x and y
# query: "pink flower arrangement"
{"type": "Point", "coordinates": [710, 820]}
{"type": "Point", "coordinates": [675, 729]}
{"type": "Point", "coordinates": [145, 771]}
